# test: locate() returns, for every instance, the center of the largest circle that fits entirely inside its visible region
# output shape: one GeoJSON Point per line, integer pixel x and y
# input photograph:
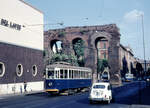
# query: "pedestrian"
{"type": "Point", "coordinates": [25, 86]}
{"type": "Point", "coordinates": [21, 89]}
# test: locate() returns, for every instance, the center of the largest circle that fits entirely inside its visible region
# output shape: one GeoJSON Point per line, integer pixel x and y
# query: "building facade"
{"type": "Point", "coordinates": [21, 47]}
{"type": "Point", "coordinates": [143, 63]}
{"type": "Point", "coordinates": [126, 54]}
{"type": "Point", "coordinates": [102, 47]}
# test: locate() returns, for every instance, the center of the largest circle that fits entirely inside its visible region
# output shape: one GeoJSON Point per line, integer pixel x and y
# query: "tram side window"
{"type": "Point", "coordinates": [70, 74]}
{"type": "Point", "coordinates": [51, 74]}
{"type": "Point", "coordinates": [82, 74]}
{"type": "Point", "coordinates": [78, 74]}
{"type": "Point", "coordinates": [86, 75]}
{"type": "Point", "coordinates": [75, 74]}
{"type": "Point", "coordinates": [61, 73]}
{"type": "Point", "coordinates": [65, 75]}
{"type": "Point", "coordinates": [56, 74]}
{"type": "Point", "coordinates": [90, 75]}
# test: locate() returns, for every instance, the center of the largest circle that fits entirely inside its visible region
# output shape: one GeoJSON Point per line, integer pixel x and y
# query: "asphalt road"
{"type": "Point", "coordinates": [46, 101]}
{"type": "Point", "coordinates": [123, 99]}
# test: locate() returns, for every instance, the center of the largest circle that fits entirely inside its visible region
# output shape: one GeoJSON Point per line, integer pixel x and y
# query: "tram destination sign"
{"type": "Point", "coordinates": [10, 24]}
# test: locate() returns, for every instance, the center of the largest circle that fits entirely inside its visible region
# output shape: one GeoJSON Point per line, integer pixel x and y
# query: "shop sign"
{"type": "Point", "coordinates": [10, 24]}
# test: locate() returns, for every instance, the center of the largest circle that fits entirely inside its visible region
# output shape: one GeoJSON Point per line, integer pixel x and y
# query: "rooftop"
{"type": "Point", "coordinates": [31, 6]}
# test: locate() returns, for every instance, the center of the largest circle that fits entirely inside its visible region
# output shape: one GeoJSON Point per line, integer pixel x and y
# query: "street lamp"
{"type": "Point", "coordinates": [141, 15]}
{"type": "Point", "coordinates": [140, 93]}
{"type": "Point", "coordinates": [143, 43]}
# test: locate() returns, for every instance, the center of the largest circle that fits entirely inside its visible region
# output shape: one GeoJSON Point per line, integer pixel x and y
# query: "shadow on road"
{"type": "Point", "coordinates": [141, 97]}
{"type": "Point", "coordinates": [42, 94]}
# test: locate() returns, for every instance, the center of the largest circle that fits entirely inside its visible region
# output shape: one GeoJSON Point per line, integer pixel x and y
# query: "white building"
{"type": "Point", "coordinates": [21, 47]}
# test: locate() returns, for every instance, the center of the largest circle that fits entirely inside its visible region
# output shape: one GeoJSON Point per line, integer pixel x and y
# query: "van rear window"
{"type": "Point", "coordinates": [99, 86]}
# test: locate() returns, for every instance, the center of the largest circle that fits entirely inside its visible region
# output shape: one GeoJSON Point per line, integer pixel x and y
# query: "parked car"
{"type": "Point", "coordinates": [101, 91]}
{"type": "Point", "coordinates": [129, 77]}
{"type": "Point", "coordinates": [105, 77]}
{"type": "Point", "coordinates": [148, 78]}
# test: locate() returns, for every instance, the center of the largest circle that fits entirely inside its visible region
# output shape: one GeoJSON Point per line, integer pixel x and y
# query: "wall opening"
{"type": "Point", "coordinates": [19, 70]}
{"type": "Point", "coordinates": [78, 47]}
{"type": "Point", "coordinates": [2, 69]}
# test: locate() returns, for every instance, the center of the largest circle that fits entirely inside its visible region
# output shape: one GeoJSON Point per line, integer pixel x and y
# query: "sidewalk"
{"type": "Point", "coordinates": [21, 94]}
{"type": "Point", "coordinates": [139, 106]}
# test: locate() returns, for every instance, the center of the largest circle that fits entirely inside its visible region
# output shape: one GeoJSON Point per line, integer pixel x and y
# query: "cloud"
{"type": "Point", "coordinates": [132, 16]}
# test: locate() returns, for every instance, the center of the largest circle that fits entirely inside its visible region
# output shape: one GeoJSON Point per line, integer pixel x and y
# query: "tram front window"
{"type": "Point", "coordinates": [50, 74]}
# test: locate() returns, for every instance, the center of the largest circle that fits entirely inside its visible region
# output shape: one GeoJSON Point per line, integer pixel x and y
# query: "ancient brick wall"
{"type": "Point", "coordinates": [89, 34]}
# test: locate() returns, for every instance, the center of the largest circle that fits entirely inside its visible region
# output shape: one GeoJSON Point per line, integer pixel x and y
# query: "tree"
{"type": "Point", "coordinates": [139, 69]}
{"type": "Point", "coordinates": [148, 72]}
{"type": "Point", "coordinates": [73, 60]}
{"type": "Point", "coordinates": [63, 57]}
{"type": "Point", "coordinates": [79, 51]}
{"type": "Point", "coordinates": [105, 63]}
{"type": "Point", "coordinates": [133, 70]}
{"type": "Point", "coordinates": [125, 67]}
{"type": "Point", "coordinates": [101, 65]}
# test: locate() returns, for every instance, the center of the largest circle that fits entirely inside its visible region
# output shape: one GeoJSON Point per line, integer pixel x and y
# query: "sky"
{"type": "Point", "coordinates": [126, 14]}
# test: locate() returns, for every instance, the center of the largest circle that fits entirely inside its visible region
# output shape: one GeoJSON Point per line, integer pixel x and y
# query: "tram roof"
{"type": "Point", "coordinates": [67, 66]}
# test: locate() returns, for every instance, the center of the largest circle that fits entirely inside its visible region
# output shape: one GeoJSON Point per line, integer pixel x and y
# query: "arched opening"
{"type": "Point", "coordinates": [78, 47]}
{"type": "Point", "coordinates": [101, 45]}
{"type": "Point", "coordinates": [56, 46]}
{"type": "Point", "coordinates": [19, 70]}
{"type": "Point", "coordinates": [34, 70]}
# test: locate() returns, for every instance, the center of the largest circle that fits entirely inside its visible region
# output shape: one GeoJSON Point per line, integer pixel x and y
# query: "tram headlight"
{"type": "Point", "coordinates": [50, 84]}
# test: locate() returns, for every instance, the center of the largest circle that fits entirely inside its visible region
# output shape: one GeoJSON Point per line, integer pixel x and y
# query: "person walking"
{"type": "Point", "coordinates": [25, 86]}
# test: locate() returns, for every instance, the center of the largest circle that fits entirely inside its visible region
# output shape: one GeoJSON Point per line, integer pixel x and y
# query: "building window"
{"type": "Point", "coordinates": [2, 69]}
{"type": "Point", "coordinates": [34, 70]}
{"type": "Point", "coordinates": [104, 45]}
{"type": "Point", "coordinates": [104, 55]}
{"type": "Point", "coordinates": [19, 70]}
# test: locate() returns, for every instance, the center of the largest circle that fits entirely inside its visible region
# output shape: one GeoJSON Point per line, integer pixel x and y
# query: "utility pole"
{"type": "Point", "coordinates": [143, 43]}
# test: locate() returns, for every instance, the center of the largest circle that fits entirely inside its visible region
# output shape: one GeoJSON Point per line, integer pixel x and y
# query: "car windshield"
{"type": "Point", "coordinates": [99, 86]}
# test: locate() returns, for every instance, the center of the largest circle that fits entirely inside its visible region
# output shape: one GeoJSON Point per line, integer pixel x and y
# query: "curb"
{"type": "Point", "coordinates": [139, 106]}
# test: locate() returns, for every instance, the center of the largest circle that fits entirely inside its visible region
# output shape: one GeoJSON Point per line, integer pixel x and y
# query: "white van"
{"type": "Point", "coordinates": [101, 92]}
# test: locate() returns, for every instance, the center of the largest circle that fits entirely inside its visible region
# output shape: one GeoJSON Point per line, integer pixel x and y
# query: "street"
{"type": "Point", "coordinates": [122, 99]}
{"type": "Point", "coordinates": [47, 101]}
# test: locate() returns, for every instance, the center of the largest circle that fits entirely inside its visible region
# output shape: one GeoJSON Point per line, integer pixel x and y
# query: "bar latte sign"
{"type": "Point", "coordinates": [10, 24]}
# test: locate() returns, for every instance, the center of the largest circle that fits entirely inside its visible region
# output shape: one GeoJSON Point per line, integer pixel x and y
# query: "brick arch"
{"type": "Point", "coordinates": [100, 35]}
{"type": "Point", "coordinates": [70, 40]}
{"type": "Point", "coordinates": [51, 43]}
{"type": "Point", "coordinates": [77, 38]}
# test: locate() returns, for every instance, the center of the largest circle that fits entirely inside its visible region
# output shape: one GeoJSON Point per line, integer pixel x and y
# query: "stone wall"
{"type": "Point", "coordinates": [89, 34]}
